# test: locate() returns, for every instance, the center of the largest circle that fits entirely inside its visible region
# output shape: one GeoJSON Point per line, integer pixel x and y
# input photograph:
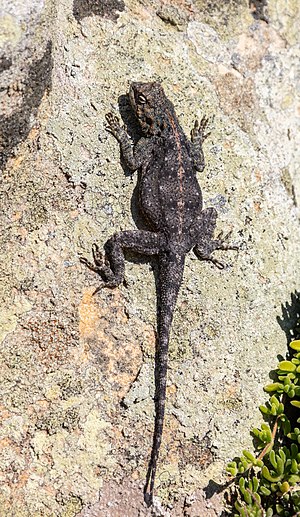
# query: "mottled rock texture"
{"type": "Point", "coordinates": [76, 370]}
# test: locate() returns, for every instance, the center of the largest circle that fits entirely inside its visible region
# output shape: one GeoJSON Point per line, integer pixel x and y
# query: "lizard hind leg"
{"type": "Point", "coordinates": [206, 245]}
{"type": "Point", "coordinates": [111, 267]}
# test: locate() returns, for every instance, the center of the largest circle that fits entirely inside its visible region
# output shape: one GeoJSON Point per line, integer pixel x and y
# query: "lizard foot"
{"type": "Point", "coordinates": [101, 268]}
{"type": "Point", "coordinates": [204, 251]}
{"type": "Point", "coordinates": [221, 243]}
{"type": "Point", "coordinates": [113, 126]}
{"type": "Point", "coordinates": [198, 131]}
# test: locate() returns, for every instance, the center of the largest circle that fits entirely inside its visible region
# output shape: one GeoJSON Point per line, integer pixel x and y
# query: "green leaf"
{"type": "Point", "coordinates": [255, 484]}
{"type": "Point", "coordinates": [287, 366]}
{"type": "Point", "coordinates": [249, 456]}
{"type": "Point", "coordinates": [295, 403]}
{"type": "Point", "coordinates": [272, 458]}
{"type": "Point", "coordinates": [238, 506]}
{"type": "Point", "coordinates": [284, 487]}
{"type": "Point", "coordinates": [265, 491]}
{"type": "Point", "coordinates": [264, 410]}
{"type": "Point", "coordinates": [244, 462]}
{"type": "Point", "coordinates": [294, 479]}
{"type": "Point", "coordinates": [275, 386]}
{"type": "Point", "coordinates": [232, 471]}
{"type": "Point", "coordinates": [247, 497]}
{"type": "Point", "coordinates": [286, 426]}
{"type": "Point", "coordinates": [295, 345]}
{"type": "Point", "coordinates": [294, 466]}
{"type": "Point", "coordinates": [267, 475]}
{"type": "Point", "coordinates": [280, 465]}
{"type": "Point", "coordinates": [294, 450]}
{"type": "Point", "coordinates": [292, 436]}
{"type": "Point", "coordinates": [282, 454]}
{"type": "Point", "coordinates": [242, 484]}
{"type": "Point", "coordinates": [274, 400]}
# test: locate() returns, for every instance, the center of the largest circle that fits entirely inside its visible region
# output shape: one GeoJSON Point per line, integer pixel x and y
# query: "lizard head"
{"type": "Point", "coordinates": [150, 105]}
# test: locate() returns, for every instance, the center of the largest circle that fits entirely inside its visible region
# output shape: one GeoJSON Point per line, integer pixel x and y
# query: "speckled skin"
{"type": "Point", "coordinates": [171, 200]}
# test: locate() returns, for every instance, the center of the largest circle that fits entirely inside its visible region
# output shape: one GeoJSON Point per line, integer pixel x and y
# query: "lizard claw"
{"type": "Point", "coordinates": [223, 244]}
{"type": "Point", "coordinates": [113, 123]}
{"type": "Point", "coordinates": [218, 263]}
{"type": "Point", "coordinates": [98, 260]}
{"type": "Point", "coordinates": [198, 130]}
{"type": "Point", "coordinates": [101, 267]}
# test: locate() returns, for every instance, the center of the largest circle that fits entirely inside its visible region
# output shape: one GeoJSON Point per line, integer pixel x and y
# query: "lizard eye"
{"type": "Point", "coordinates": [142, 99]}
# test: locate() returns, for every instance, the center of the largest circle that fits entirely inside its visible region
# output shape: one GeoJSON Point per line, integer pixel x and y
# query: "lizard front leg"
{"type": "Point", "coordinates": [111, 268]}
{"type": "Point", "coordinates": [198, 136]}
{"type": "Point", "coordinates": [206, 245]}
{"type": "Point", "coordinates": [133, 156]}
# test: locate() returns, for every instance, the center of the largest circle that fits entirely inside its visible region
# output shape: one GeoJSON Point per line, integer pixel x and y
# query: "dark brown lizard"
{"type": "Point", "coordinates": [171, 200]}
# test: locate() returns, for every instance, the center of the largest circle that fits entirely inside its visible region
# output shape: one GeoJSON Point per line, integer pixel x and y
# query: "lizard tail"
{"type": "Point", "coordinates": [171, 267]}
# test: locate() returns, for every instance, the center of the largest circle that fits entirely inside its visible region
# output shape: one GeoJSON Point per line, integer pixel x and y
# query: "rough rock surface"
{"type": "Point", "coordinates": [76, 371]}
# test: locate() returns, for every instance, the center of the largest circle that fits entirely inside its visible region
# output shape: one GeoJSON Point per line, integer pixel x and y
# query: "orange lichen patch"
{"type": "Point", "coordinates": [253, 46]}
{"type": "Point", "coordinates": [33, 133]}
{"type": "Point", "coordinates": [135, 475]}
{"type": "Point", "coordinates": [171, 389]}
{"type": "Point", "coordinates": [257, 206]}
{"type": "Point", "coordinates": [22, 232]}
{"type": "Point", "coordinates": [74, 213]}
{"type": "Point", "coordinates": [118, 434]}
{"type": "Point", "coordinates": [50, 490]}
{"type": "Point", "coordinates": [258, 175]}
{"type": "Point", "coordinates": [23, 478]}
{"type": "Point", "coordinates": [228, 145]}
{"type": "Point", "coordinates": [15, 163]}
{"type": "Point", "coordinates": [119, 363]}
{"type": "Point", "coordinates": [88, 315]}
{"type": "Point", "coordinates": [105, 331]}
{"type": "Point", "coordinates": [231, 391]}
{"type": "Point", "coordinates": [4, 413]}
{"type": "Point", "coordinates": [5, 442]}
{"type": "Point", "coordinates": [42, 404]}
{"type": "Point", "coordinates": [263, 279]}
{"type": "Point", "coordinates": [81, 354]}
{"type": "Point", "coordinates": [17, 215]}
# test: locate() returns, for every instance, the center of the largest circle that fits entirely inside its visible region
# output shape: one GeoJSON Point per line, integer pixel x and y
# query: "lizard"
{"type": "Point", "coordinates": [170, 198]}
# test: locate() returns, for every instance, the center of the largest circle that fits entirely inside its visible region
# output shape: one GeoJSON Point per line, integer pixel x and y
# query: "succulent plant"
{"type": "Point", "coordinates": [267, 484]}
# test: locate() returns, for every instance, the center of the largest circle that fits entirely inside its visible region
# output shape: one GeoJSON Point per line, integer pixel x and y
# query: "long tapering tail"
{"type": "Point", "coordinates": [171, 265]}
